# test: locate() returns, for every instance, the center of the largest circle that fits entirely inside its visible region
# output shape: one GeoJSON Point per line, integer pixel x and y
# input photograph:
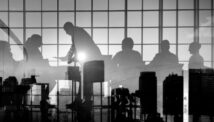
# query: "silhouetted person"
{"type": "Point", "coordinates": [196, 61]}
{"type": "Point", "coordinates": [7, 64]}
{"type": "Point", "coordinates": [164, 63]}
{"type": "Point", "coordinates": [128, 64]}
{"type": "Point", "coordinates": [165, 57]}
{"type": "Point", "coordinates": [81, 43]}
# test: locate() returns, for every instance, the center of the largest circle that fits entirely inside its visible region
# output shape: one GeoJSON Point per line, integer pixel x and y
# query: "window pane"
{"type": "Point", "coordinates": [17, 52]}
{"type": "Point", "coordinates": [205, 52]}
{"type": "Point", "coordinates": [16, 4]}
{"type": "Point", "coordinates": [49, 4]}
{"type": "Point", "coordinates": [204, 4]}
{"type": "Point", "coordinates": [169, 18]}
{"type": "Point", "coordinates": [49, 19]}
{"type": "Point", "coordinates": [117, 4]}
{"type": "Point", "coordinates": [100, 36]}
{"type": "Point", "coordinates": [66, 4]}
{"type": "Point", "coordinates": [207, 64]}
{"type": "Point", "coordinates": [185, 18]}
{"type": "Point", "coordinates": [150, 36]}
{"type": "Point", "coordinates": [205, 35]}
{"type": "Point", "coordinates": [135, 34]}
{"type": "Point", "coordinates": [134, 4]}
{"type": "Point", "coordinates": [4, 17]}
{"type": "Point", "coordinates": [172, 49]}
{"type": "Point", "coordinates": [49, 36]}
{"type": "Point", "coordinates": [100, 19]}
{"type": "Point", "coordinates": [19, 34]}
{"type": "Point", "coordinates": [63, 50]}
{"type": "Point", "coordinates": [169, 34]}
{"type": "Point", "coordinates": [3, 35]}
{"type": "Point", "coordinates": [185, 35]}
{"type": "Point", "coordinates": [100, 4]}
{"type": "Point", "coordinates": [205, 18]}
{"type": "Point", "coordinates": [183, 53]}
{"type": "Point", "coordinates": [33, 4]}
{"type": "Point", "coordinates": [149, 52]}
{"type": "Point", "coordinates": [185, 4]}
{"type": "Point", "coordinates": [169, 4]}
{"type": "Point", "coordinates": [49, 51]}
{"type": "Point", "coordinates": [65, 17]}
{"type": "Point", "coordinates": [134, 19]}
{"type": "Point", "coordinates": [150, 4]}
{"type": "Point", "coordinates": [33, 19]}
{"type": "Point", "coordinates": [116, 19]}
{"type": "Point", "coordinates": [137, 48]}
{"type": "Point", "coordinates": [16, 19]}
{"type": "Point", "coordinates": [116, 36]}
{"type": "Point", "coordinates": [103, 49]}
{"type": "Point", "coordinates": [83, 4]}
{"type": "Point", "coordinates": [30, 32]}
{"type": "Point", "coordinates": [83, 19]}
{"type": "Point", "coordinates": [150, 19]}
{"type": "Point", "coordinates": [63, 37]}
{"type": "Point", "coordinates": [113, 49]}
{"type": "Point", "coordinates": [3, 4]}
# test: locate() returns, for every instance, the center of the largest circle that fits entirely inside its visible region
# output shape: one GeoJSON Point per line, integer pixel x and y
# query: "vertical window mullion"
{"type": "Point", "coordinates": [126, 19]}
{"type": "Point", "coordinates": [212, 34]}
{"type": "Point", "coordinates": [142, 30]}
{"type": "Point", "coordinates": [160, 22]}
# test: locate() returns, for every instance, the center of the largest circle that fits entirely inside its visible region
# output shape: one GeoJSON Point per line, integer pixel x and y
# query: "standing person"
{"type": "Point", "coordinates": [128, 63]}
{"type": "Point", "coordinates": [81, 43]}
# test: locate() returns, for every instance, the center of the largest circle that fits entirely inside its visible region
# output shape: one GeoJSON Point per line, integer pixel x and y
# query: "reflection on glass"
{"type": "Point", "coordinates": [65, 17]}
{"type": "Point", "coordinates": [205, 18]}
{"type": "Point", "coordinates": [19, 34]}
{"type": "Point", "coordinates": [4, 17]}
{"type": "Point", "coordinates": [183, 52]}
{"type": "Point", "coordinates": [17, 52]}
{"type": "Point", "coordinates": [113, 49]}
{"type": "Point", "coordinates": [49, 51]}
{"type": "Point", "coordinates": [3, 4]}
{"type": "Point", "coordinates": [30, 32]}
{"type": "Point", "coordinates": [205, 52]}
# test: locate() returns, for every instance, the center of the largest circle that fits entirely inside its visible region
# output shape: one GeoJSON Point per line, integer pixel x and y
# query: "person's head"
{"type": "Point", "coordinates": [127, 44]}
{"type": "Point", "coordinates": [164, 46]}
{"type": "Point", "coordinates": [194, 47]}
{"type": "Point", "coordinates": [68, 27]}
{"type": "Point", "coordinates": [34, 41]}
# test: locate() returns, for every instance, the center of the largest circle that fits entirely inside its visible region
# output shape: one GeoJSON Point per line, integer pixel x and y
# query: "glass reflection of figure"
{"type": "Point", "coordinates": [7, 64]}
{"type": "Point", "coordinates": [129, 64]}
{"type": "Point", "coordinates": [164, 63]}
{"type": "Point", "coordinates": [196, 61]}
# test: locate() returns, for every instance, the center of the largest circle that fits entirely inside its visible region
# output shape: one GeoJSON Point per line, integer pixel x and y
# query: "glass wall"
{"type": "Point", "coordinates": [109, 21]}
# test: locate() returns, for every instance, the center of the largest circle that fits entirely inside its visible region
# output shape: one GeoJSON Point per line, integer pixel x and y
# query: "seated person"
{"type": "Point", "coordinates": [128, 64]}
{"type": "Point", "coordinates": [196, 61]}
